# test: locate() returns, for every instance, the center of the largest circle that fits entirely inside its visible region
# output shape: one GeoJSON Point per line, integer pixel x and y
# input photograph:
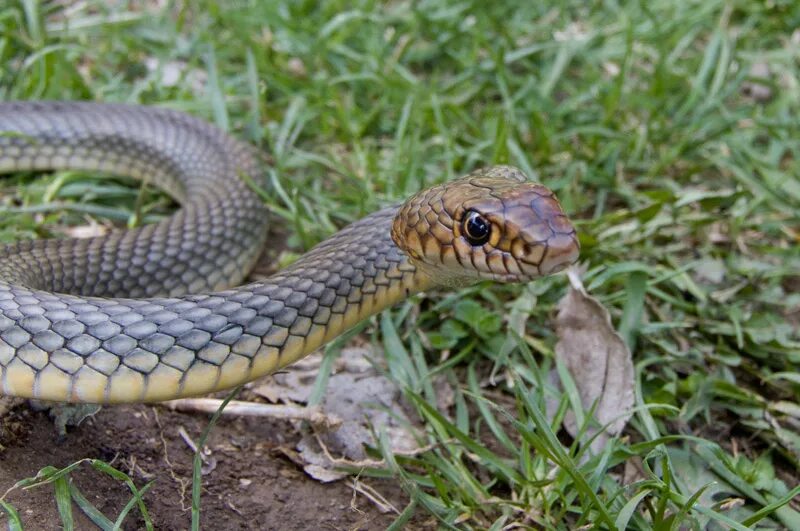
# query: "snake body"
{"type": "Point", "coordinates": [147, 314]}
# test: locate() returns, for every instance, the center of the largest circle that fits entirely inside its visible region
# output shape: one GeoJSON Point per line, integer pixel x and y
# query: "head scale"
{"type": "Point", "coordinates": [490, 224]}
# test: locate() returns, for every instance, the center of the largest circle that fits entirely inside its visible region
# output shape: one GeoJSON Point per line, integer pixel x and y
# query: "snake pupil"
{"type": "Point", "coordinates": [476, 229]}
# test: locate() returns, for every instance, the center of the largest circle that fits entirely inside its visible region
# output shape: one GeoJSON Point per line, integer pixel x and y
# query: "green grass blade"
{"type": "Point", "coordinates": [64, 502]}
{"type": "Point", "coordinates": [135, 500]}
{"type": "Point", "coordinates": [197, 461]}
{"type": "Point", "coordinates": [790, 518]}
{"type": "Point", "coordinates": [215, 92]}
{"type": "Point", "coordinates": [627, 511]}
{"type": "Point", "coordinates": [14, 522]}
{"type": "Point", "coordinates": [94, 514]}
{"type": "Point", "coordinates": [635, 289]}
{"type": "Point", "coordinates": [120, 476]}
{"type": "Point", "coordinates": [404, 517]}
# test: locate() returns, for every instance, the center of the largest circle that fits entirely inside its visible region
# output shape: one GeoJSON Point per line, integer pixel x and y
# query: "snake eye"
{"type": "Point", "coordinates": [476, 228]}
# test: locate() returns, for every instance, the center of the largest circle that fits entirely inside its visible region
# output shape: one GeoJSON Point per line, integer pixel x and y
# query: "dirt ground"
{"type": "Point", "coordinates": [252, 485]}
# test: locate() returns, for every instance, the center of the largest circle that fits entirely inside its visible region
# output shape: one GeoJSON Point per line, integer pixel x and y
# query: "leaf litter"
{"type": "Point", "coordinates": [359, 396]}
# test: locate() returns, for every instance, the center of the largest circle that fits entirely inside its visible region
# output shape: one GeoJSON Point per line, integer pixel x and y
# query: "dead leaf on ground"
{"type": "Point", "coordinates": [358, 395]}
{"type": "Point", "coordinates": [599, 362]}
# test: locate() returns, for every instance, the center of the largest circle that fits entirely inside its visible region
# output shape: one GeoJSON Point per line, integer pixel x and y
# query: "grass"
{"type": "Point", "coordinates": [685, 189]}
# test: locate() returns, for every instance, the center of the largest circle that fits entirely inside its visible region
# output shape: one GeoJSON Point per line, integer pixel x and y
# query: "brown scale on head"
{"type": "Point", "coordinates": [490, 224]}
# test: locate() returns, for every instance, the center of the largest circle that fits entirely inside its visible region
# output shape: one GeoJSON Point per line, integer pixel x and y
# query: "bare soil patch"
{"type": "Point", "coordinates": [250, 484]}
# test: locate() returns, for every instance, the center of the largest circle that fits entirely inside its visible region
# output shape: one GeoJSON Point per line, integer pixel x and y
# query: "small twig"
{"type": "Point", "coordinates": [365, 463]}
{"type": "Point", "coordinates": [341, 461]}
{"type": "Point", "coordinates": [241, 408]}
{"type": "Point", "coordinates": [187, 439]}
{"type": "Point", "coordinates": [574, 276]}
{"type": "Point", "coordinates": [383, 505]}
{"type": "Point", "coordinates": [209, 461]}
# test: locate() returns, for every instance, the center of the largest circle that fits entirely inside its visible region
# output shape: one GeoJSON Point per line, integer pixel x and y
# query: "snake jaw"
{"type": "Point", "coordinates": [530, 234]}
{"type": "Point", "coordinates": [563, 251]}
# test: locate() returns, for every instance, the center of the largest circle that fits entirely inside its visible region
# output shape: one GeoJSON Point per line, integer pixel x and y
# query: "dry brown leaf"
{"type": "Point", "coordinates": [357, 395]}
{"type": "Point", "coordinates": [324, 474]}
{"type": "Point", "coordinates": [598, 360]}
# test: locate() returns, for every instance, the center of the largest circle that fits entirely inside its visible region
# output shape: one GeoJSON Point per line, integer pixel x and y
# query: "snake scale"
{"type": "Point", "coordinates": [148, 314]}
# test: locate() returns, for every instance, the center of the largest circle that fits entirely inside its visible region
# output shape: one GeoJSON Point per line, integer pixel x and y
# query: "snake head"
{"type": "Point", "coordinates": [490, 224]}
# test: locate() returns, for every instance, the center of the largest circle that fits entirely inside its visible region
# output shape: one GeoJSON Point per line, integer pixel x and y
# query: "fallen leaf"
{"type": "Point", "coordinates": [598, 361]}
{"type": "Point", "coordinates": [291, 385]}
{"type": "Point", "coordinates": [359, 396]}
{"type": "Point", "coordinates": [323, 474]}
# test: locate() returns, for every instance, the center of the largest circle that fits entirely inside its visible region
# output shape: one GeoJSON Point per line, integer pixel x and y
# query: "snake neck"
{"type": "Point", "coordinates": [347, 278]}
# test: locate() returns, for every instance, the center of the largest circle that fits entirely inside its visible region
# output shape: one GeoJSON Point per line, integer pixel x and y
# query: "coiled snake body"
{"type": "Point", "coordinates": [146, 314]}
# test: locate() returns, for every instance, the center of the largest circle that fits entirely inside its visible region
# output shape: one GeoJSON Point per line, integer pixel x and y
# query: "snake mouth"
{"type": "Point", "coordinates": [562, 251]}
{"type": "Point", "coordinates": [547, 258]}
{"type": "Point", "coordinates": [510, 278]}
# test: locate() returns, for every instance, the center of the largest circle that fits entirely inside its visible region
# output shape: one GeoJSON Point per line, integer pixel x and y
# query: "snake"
{"type": "Point", "coordinates": [161, 311]}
